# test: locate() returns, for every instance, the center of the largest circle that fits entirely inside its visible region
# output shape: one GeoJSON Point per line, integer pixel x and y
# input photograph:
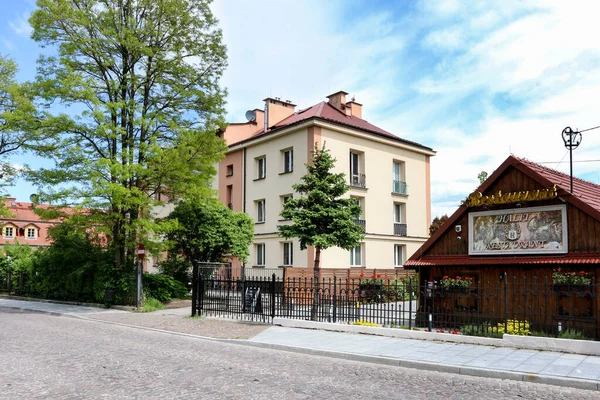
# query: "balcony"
{"type": "Point", "coordinates": [399, 229]}
{"type": "Point", "coordinates": [358, 180]}
{"type": "Point", "coordinates": [400, 187]}
{"type": "Point", "coordinates": [362, 223]}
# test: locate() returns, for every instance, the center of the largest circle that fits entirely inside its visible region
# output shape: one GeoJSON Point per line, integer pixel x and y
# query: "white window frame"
{"type": "Point", "coordinates": [259, 249]}
{"type": "Point", "coordinates": [288, 160]}
{"type": "Point", "coordinates": [398, 209]}
{"type": "Point", "coordinates": [356, 254]}
{"type": "Point", "coordinates": [33, 233]}
{"type": "Point", "coordinates": [399, 255]}
{"type": "Point", "coordinates": [261, 167]}
{"type": "Point", "coordinates": [287, 252]}
{"type": "Point", "coordinates": [6, 230]}
{"type": "Point", "coordinates": [261, 212]}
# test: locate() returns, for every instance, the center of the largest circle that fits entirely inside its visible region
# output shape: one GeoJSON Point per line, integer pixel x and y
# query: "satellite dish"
{"type": "Point", "coordinates": [250, 116]}
{"type": "Point", "coordinates": [33, 197]}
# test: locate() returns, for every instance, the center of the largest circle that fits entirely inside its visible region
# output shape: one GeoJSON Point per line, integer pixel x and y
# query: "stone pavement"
{"type": "Point", "coordinates": [554, 368]}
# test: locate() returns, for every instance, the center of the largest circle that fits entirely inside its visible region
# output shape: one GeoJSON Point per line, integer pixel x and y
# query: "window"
{"type": "Point", "coordinates": [288, 160]}
{"type": "Point", "coordinates": [398, 255]}
{"type": "Point", "coordinates": [356, 256]}
{"type": "Point", "coordinates": [261, 168]}
{"type": "Point", "coordinates": [260, 254]}
{"type": "Point", "coordinates": [31, 233]}
{"type": "Point", "coordinates": [399, 182]}
{"type": "Point", "coordinates": [8, 231]}
{"type": "Point", "coordinates": [398, 211]}
{"type": "Point", "coordinates": [357, 176]}
{"type": "Point", "coordinates": [360, 201]}
{"type": "Point", "coordinates": [230, 196]}
{"type": "Point", "coordinates": [260, 210]}
{"type": "Point", "coordinates": [284, 199]}
{"type": "Point", "coordinates": [230, 170]}
{"type": "Point", "coordinates": [288, 254]}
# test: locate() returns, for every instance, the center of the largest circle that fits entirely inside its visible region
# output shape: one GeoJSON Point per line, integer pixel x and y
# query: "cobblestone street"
{"type": "Point", "coordinates": [53, 357]}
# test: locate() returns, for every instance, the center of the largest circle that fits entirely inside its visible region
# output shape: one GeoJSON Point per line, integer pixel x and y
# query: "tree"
{"type": "Point", "coordinates": [142, 79]}
{"type": "Point", "coordinates": [437, 223]}
{"type": "Point", "coordinates": [321, 217]}
{"type": "Point", "coordinates": [18, 121]}
{"type": "Point", "coordinates": [208, 232]}
{"type": "Point", "coordinates": [482, 177]}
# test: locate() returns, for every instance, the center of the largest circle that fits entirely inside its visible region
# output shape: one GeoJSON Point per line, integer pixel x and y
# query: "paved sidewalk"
{"type": "Point", "coordinates": [555, 368]}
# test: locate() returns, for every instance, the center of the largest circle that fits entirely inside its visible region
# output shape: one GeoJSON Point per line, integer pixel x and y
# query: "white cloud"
{"type": "Point", "coordinates": [21, 25]}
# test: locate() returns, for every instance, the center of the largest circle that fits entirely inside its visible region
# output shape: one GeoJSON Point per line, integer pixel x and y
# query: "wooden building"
{"type": "Point", "coordinates": [515, 240]}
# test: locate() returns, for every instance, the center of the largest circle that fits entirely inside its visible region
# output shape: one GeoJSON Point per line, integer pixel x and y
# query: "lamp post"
{"type": "Point", "coordinates": [571, 140]}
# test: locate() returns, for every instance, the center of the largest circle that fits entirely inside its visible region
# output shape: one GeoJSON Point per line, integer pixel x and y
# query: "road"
{"type": "Point", "coordinates": [54, 357]}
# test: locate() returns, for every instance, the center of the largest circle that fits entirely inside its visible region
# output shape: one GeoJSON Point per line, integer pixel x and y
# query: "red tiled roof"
{"type": "Point", "coordinates": [585, 196]}
{"type": "Point", "coordinates": [574, 258]}
{"type": "Point", "coordinates": [327, 112]}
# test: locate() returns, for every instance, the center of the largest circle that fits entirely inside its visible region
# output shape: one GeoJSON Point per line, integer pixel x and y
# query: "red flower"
{"type": "Point", "coordinates": [361, 274]}
{"type": "Point", "coordinates": [445, 277]}
{"type": "Point", "coordinates": [559, 269]}
{"type": "Point", "coordinates": [581, 272]}
{"type": "Point", "coordinates": [457, 276]}
{"type": "Point", "coordinates": [379, 275]}
{"type": "Point", "coordinates": [373, 276]}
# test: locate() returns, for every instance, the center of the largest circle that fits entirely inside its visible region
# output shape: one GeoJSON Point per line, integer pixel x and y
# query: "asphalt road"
{"type": "Point", "coordinates": [53, 357]}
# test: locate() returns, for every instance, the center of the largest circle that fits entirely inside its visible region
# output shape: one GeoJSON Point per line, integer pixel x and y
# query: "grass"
{"type": "Point", "coordinates": [151, 304]}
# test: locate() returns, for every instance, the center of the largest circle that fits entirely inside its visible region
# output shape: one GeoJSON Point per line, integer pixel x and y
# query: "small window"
{"type": "Point", "coordinates": [261, 168]}
{"type": "Point", "coordinates": [356, 256]}
{"type": "Point", "coordinates": [288, 160]}
{"type": "Point", "coordinates": [230, 170]}
{"type": "Point", "coordinates": [399, 255]}
{"type": "Point", "coordinates": [31, 233]}
{"type": "Point", "coordinates": [9, 231]}
{"type": "Point", "coordinates": [260, 210]}
{"type": "Point", "coordinates": [260, 254]}
{"type": "Point", "coordinates": [288, 254]}
{"type": "Point", "coordinates": [398, 213]}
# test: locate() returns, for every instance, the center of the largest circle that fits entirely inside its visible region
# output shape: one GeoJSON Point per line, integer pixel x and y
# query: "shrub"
{"type": "Point", "coordinates": [151, 304]}
{"type": "Point", "coordinates": [515, 327]}
{"type": "Point", "coordinates": [485, 329]}
{"type": "Point", "coordinates": [177, 268]}
{"type": "Point", "coordinates": [162, 287]}
{"type": "Point", "coordinates": [573, 334]}
{"type": "Point", "coordinates": [365, 323]}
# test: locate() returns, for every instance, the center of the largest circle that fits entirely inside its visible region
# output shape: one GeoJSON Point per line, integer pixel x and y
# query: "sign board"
{"type": "Point", "coordinates": [141, 251]}
{"type": "Point", "coordinates": [532, 230]}
{"type": "Point", "coordinates": [252, 301]}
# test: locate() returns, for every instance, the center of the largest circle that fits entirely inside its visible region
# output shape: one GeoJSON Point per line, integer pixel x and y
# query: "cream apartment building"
{"type": "Point", "coordinates": [388, 176]}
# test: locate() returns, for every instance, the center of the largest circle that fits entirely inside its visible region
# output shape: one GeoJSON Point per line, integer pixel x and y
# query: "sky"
{"type": "Point", "coordinates": [476, 81]}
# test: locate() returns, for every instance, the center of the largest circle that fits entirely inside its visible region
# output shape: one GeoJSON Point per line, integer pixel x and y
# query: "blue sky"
{"type": "Point", "coordinates": [476, 81]}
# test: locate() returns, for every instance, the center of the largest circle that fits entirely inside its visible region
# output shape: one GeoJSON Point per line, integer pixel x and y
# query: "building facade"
{"type": "Point", "coordinates": [24, 225]}
{"type": "Point", "coordinates": [388, 176]}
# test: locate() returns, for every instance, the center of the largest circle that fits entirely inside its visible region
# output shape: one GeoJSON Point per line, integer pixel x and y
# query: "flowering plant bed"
{"type": "Point", "coordinates": [560, 277]}
{"type": "Point", "coordinates": [457, 284]}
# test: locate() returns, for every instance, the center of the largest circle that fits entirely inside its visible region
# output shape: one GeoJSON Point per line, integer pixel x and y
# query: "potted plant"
{"type": "Point", "coordinates": [457, 284]}
{"type": "Point", "coordinates": [569, 280]}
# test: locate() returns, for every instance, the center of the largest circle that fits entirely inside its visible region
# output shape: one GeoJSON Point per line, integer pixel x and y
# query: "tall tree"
{"type": "Point", "coordinates": [207, 231]}
{"type": "Point", "coordinates": [482, 177]}
{"type": "Point", "coordinates": [321, 217]}
{"type": "Point", "coordinates": [437, 223]}
{"type": "Point", "coordinates": [142, 79]}
{"type": "Point", "coordinates": [18, 122]}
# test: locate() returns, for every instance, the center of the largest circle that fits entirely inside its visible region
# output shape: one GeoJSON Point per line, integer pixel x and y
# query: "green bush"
{"type": "Point", "coordinates": [176, 267]}
{"type": "Point", "coordinates": [151, 304]}
{"type": "Point", "coordinates": [162, 287]}
{"type": "Point", "coordinates": [485, 329]}
{"type": "Point", "coordinates": [573, 334]}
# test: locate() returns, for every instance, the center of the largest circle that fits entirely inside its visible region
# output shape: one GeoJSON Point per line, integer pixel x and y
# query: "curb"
{"type": "Point", "coordinates": [70, 303]}
{"type": "Point", "coordinates": [423, 365]}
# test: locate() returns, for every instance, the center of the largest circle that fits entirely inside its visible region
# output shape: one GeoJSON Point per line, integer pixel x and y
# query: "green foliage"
{"type": "Point", "coordinates": [321, 217]}
{"type": "Point", "coordinates": [482, 176]}
{"type": "Point", "coordinates": [437, 223]}
{"type": "Point", "coordinates": [570, 278]}
{"type": "Point", "coordinates": [151, 304]}
{"type": "Point", "coordinates": [74, 268]}
{"type": "Point", "coordinates": [365, 323]}
{"type": "Point", "coordinates": [485, 329]}
{"type": "Point", "coordinates": [177, 268]}
{"type": "Point", "coordinates": [162, 287]}
{"type": "Point", "coordinates": [573, 334]}
{"type": "Point", "coordinates": [458, 282]}
{"type": "Point", "coordinates": [209, 231]}
{"type": "Point", "coordinates": [17, 258]}
{"type": "Point", "coordinates": [142, 79]}
{"type": "Point", "coordinates": [514, 327]}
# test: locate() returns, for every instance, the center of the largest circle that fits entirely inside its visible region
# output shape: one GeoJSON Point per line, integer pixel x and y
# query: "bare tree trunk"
{"type": "Point", "coordinates": [317, 277]}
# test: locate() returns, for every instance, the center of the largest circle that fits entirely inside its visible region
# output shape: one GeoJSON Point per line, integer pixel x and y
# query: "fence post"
{"type": "Point", "coordinates": [273, 296]}
{"type": "Point", "coordinates": [9, 284]}
{"type": "Point", "coordinates": [410, 300]}
{"type": "Point", "coordinates": [505, 302]}
{"type": "Point", "coordinates": [334, 299]}
{"type": "Point", "coordinates": [200, 296]}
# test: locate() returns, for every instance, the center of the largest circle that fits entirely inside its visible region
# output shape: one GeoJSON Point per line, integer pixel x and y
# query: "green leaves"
{"type": "Point", "coordinates": [321, 217]}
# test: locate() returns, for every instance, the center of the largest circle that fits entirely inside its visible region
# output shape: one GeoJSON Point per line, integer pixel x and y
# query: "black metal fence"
{"type": "Point", "coordinates": [483, 308]}
{"type": "Point", "coordinates": [15, 284]}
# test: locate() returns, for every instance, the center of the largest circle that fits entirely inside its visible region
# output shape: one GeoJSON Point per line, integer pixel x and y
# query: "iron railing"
{"type": "Point", "coordinates": [399, 229]}
{"type": "Point", "coordinates": [362, 223]}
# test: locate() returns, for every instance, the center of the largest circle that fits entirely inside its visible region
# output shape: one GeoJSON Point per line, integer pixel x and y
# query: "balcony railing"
{"type": "Point", "coordinates": [400, 187]}
{"type": "Point", "coordinates": [399, 229]}
{"type": "Point", "coordinates": [358, 180]}
{"type": "Point", "coordinates": [362, 223]}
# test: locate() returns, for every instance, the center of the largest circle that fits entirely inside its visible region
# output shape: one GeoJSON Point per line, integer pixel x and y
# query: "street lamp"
{"type": "Point", "coordinates": [572, 140]}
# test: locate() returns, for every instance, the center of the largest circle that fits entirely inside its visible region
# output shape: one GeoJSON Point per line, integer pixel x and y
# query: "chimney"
{"type": "Point", "coordinates": [338, 100]}
{"type": "Point", "coordinates": [354, 109]}
{"type": "Point", "coordinates": [277, 110]}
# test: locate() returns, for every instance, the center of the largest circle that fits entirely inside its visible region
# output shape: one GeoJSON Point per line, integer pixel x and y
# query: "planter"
{"type": "Point", "coordinates": [456, 289]}
{"type": "Point", "coordinates": [569, 288]}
